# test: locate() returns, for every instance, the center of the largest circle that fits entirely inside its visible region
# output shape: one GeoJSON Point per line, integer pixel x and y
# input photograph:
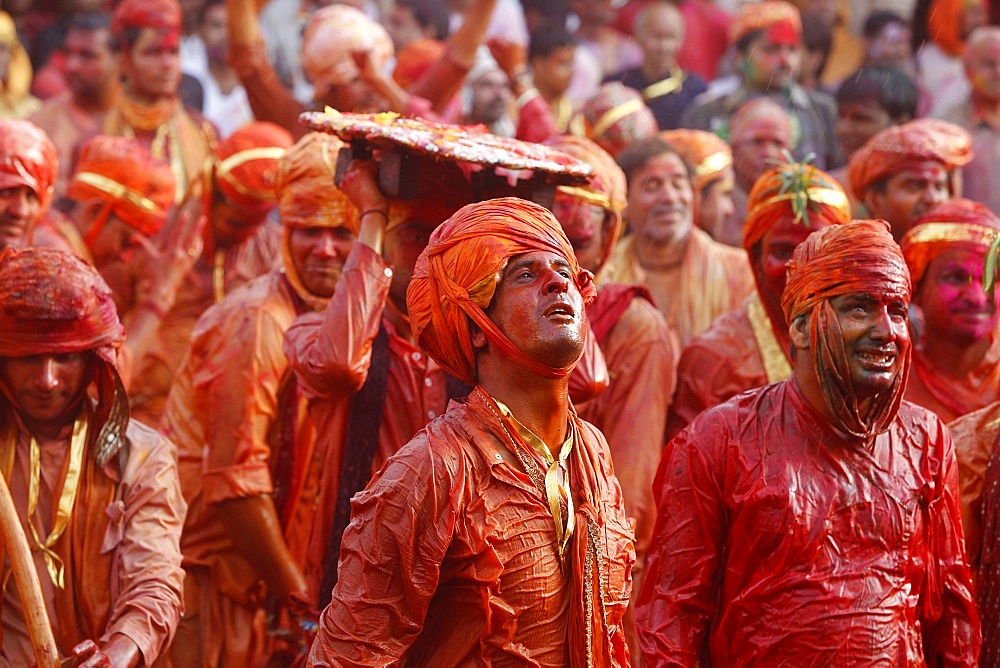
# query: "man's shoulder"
{"type": "Point", "coordinates": [735, 418]}
{"type": "Point", "coordinates": [264, 297]}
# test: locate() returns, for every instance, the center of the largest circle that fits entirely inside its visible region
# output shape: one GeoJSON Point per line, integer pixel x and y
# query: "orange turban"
{"type": "Point", "coordinates": [945, 20]}
{"type": "Point", "coordinates": [138, 188]}
{"type": "Point", "coordinates": [156, 14]}
{"type": "Point", "coordinates": [456, 276]}
{"type": "Point", "coordinates": [333, 33]}
{"type": "Point", "coordinates": [780, 19]}
{"type": "Point", "coordinates": [957, 222]}
{"type": "Point", "coordinates": [414, 59]}
{"type": "Point", "coordinates": [860, 256]}
{"type": "Point", "coordinates": [616, 116]}
{"type": "Point", "coordinates": [900, 146]}
{"type": "Point", "coordinates": [27, 158]}
{"type": "Point", "coordinates": [795, 190]}
{"type": "Point", "coordinates": [246, 162]}
{"type": "Point", "coordinates": [51, 303]}
{"type": "Point", "coordinates": [705, 153]}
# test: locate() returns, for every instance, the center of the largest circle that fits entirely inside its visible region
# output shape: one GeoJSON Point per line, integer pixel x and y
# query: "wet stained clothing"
{"type": "Point", "coordinates": [777, 539]}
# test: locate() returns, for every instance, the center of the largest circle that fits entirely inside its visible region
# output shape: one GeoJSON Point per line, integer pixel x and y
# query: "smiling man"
{"type": "Point", "coordinates": [816, 520]}
{"type": "Point", "coordinates": [497, 535]}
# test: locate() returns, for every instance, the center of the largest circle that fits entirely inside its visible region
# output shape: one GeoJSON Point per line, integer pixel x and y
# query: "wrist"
{"type": "Point", "coordinates": [152, 306]}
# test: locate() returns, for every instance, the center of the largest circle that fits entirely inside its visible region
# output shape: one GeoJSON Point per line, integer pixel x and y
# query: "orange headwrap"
{"type": "Point", "coordinates": [780, 19]}
{"type": "Point", "coordinates": [137, 188]}
{"type": "Point", "coordinates": [899, 146]}
{"type": "Point", "coordinates": [51, 303]}
{"type": "Point", "coordinates": [456, 275]}
{"type": "Point", "coordinates": [156, 14]}
{"type": "Point", "coordinates": [307, 197]}
{"type": "Point", "coordinates": [705, 153]}
{"type": "Point", "coordinates": [245, 164]}
{"type": "Point", "coordinates": [796, 190]}
{"type": "Point", "coordinates": [957, 222]}
{"type": "Point", "coordinates": [944, 24]}
{"type": "Point", "coordinates": [333, 33]}
{"type": "Point", "coordinates": [27, 158]}
{"type": "Point", "coordinates": [859, 256]}
{"type": "Point", "coordinates": [616, 116]}
{"type": "Point", "coordinates": [414, 59]}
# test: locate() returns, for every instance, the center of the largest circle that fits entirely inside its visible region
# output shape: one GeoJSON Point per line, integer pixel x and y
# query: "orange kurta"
{"type": "Point", "coordinates": [738, 353]}
{"type": "Point", "coordinates": [330, 354]}
{"type": "Point", "coordinates": [711, 279]}
{"type": "Point", "coordinates": [952, 397]}
{"type": "Point", "coordinates": [221, 412]}
{"type": "Point", "coordinates": [451, 557]}
{"type": "Point", "coordinates": [139, 529]}
{"type": "Point", "coordinates": [975, 435]}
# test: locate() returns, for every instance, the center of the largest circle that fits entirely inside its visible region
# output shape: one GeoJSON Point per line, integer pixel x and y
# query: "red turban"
{"type": "Point", "coordinates": [333, 33]}
{"type": "Point", "coordinates": [138, 188]}
{"type": "Point", "coordinates": [156, 14]}
{"type": "Point", "coordinates": [705, 153]}
{"type": "Point", "coordinates": [957, 222]}
{"type": "Point", "coordinates": [860, 256]}
{"type": "Point", "coordinates": [27, 158]}
{"type": "Point", "coordinates": [795, 190]}
{"type": "Point", "coordinates": [900, 146]}
{"type": "Point", "coordinates": [245, 164]}
{"type": "Point", "coordinates": [780, 19]}
{"type": "Point", "coordinates": [456, 276]}
{"type": "Point", "coordinates": [616, 116]}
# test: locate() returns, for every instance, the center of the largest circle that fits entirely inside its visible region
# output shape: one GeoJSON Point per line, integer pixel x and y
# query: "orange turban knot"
{"type": "Point", "coordinates": [27, 158]}
{"type": "Point", "coordinates": [333, 33]}
{"type": "Point", "coordinates": [616, 116]}
{"type": "Point", "coordinates": [457, 273]}
{"type": "Point", "coordinates": [705, 153]}
{"type": "Point", "coordinates": [957, 222]}
{"type": "Point", "coordinates": [860, 256]}
{"type": "Point", "coordinates": [246, 162]}
{"type": "Point", "coordinates": [794, 190]}
{"type": "Point", "coordinates": [138, 188]}
{"type": "Point", "coordinates": [781, 21]}
{"type": "Point", "coordinates": [899, 146]}
{"type": "Point", "coordinates": [52, 302]}
{"type": "Point", "coordinates": [156, 14]}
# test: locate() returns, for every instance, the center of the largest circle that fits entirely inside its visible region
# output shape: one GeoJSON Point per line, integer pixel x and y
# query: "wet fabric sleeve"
{"type": "Point", "coordinates": [330, 352]}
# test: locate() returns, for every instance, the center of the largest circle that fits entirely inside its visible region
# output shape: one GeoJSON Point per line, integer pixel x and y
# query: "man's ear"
{"type": "Point", "coordinates": [798, 331]}
{"type": "Point", "coordinates": [477, 336]}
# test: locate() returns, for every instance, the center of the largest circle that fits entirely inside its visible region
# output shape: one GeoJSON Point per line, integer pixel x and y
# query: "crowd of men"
{"type": "Point", "coordinates": [734, 400]}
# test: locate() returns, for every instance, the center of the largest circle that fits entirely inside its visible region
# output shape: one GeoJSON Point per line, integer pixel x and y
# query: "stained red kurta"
{"type": "Point", "coordinates": [778, 543]}
{"type": "Point", "coordinates": [451, 559]}
{"type": "Point", "coordinates": [952, 397]}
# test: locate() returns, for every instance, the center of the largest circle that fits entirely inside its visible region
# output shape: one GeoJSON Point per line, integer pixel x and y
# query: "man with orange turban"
{"type": "Point", "coordinates": [750, 346]}
{"type": "Point", "coordinates": [221, 239]}
{"type": "Point", "coordinates": [956, 361]}
{"type": "Point", "coordinates": [905, 170]}
{"type": "Point", "coordinates": [816, 519]}
{"type": "Point", "coordinates": [503, 513]}
{"type": "Point", "coordinates": [639, 349]}
{"type": "Point", "coordinates": [97, 493]}
{"type": "Point", "coordinates": [693, 279]}
{"type": "Point", "coordinates": [248, 465]}
{"type": "Point", "coordinates": [616, 117]}
{"type": "Point", "coordinates": [712, 179]}
{"type": "Point", "coordinates": [767, 36]}
{"type": "Point", "coordinates": [147, 38]}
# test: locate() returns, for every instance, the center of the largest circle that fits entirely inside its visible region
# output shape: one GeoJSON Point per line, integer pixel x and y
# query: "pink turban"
{"type": "Point", "coordinates": [27, 158]}
{"type": "Point", "coordinates": [333, 33]}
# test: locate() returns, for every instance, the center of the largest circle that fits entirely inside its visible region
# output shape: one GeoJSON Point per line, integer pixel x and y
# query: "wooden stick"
{"type": "Point", "coordinates": [28, 586]}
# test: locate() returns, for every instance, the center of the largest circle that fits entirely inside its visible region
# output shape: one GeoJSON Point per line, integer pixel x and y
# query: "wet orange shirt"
{"type": "Point", "coordinates": [952, 397]}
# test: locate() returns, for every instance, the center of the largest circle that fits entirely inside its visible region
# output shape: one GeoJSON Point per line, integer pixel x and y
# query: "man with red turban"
{"type": "Point", "coordinates": [97, 493]}
{"type": "Point", "coordinates": [750, 346]}
{"type": "Point", "coordinates": [221, 239]}
{"type": "Point", "coordinates": [639, 349]}
{"type": "Point", "coordinates": [956, 361]}
{"type": "Point", "coordinates": [905, 170]}
{"type": "Point", "coordinates": [147, 37]}
{"type": "Point", "coordinates": [712, 179]}
{"type": "Point", "coordinates": [816, 520]}
{"type": "Point", "coordinates": [693, 279]}
{"type": "Point", "coordinates": [248, 465]}
{"type": "Point", "coordinates": [616, 117]}
{"type": "Point", "coordinates": [767, 37]}
{"type": "Point", "coordinates": [503, 513]}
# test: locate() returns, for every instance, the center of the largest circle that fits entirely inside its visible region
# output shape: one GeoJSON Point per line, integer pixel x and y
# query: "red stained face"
{"type": "Point", "coordinates": [908, 194]}
{"type": "Point", "coordinates": [952, 298]}
{"type": "Point", "coordinates": [583, 224]}
{"type": "Point", "coordinates": [152, 66]}
{"type": "Point", "coordinates": [318, 254]}
{"type": "Point", "coordinates": [19, 211]}
{"type": "Point", "coordinates": [47, 389]}
{"type": "Point", "coordinates": [776, 247]}
{"type": "Point", "coordinates": [876, 337]}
